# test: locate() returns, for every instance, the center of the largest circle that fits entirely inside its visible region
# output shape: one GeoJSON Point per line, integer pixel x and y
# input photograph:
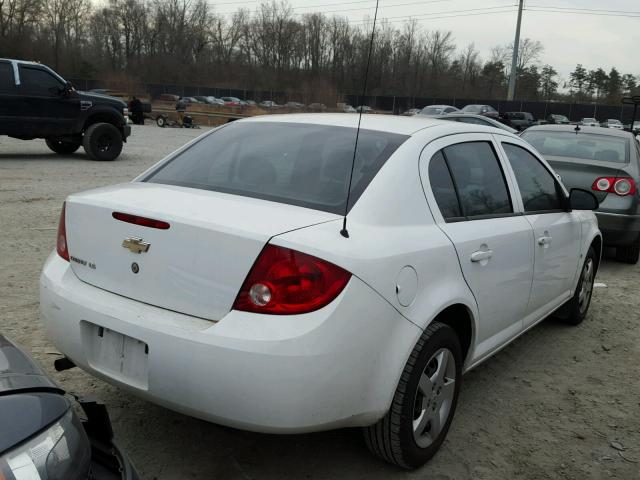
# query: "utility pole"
{"type": "Point", "coordinates": [514, 59]}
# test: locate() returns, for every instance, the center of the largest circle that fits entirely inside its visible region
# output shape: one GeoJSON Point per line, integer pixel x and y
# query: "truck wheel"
{"type": "Point", "coordinates": [102, 141]}
{"type": "Point", "coordinates": [424, 403]}
{"type": "Point", "coordinates": [63, 147]}
{"type": "Point", "coordinates": [629, 254]}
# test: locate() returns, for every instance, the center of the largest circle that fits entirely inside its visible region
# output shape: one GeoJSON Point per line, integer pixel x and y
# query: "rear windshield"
{"type": "Point", "coordinates": [298, 164]}
{"type": "Point", "coordinates": [582, 145]}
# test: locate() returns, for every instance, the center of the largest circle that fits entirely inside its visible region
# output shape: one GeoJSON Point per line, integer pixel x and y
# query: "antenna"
{"type": "Point", "coordinates": [344, 232]}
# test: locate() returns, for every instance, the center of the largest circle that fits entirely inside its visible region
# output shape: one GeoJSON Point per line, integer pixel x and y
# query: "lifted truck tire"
{"type": "Point", "coordinates": [102, 141]}
{"type": "Point", "coordinates": [63, 147]}
{"type": "Point", "coordinates": [629, 254]}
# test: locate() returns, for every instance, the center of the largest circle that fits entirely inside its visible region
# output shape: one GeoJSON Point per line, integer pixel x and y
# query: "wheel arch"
{"type": "Point", "coordinates": [103, 116]}
{"type": "Point", "coordinates": [596, 243]}
{"type": "Point", "coordinates": [460, 318]}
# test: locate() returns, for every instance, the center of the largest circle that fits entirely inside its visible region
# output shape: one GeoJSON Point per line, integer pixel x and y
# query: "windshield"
{"type": "Point", "coordinates": [472, 108]}
{"type": "Point", "coordinates": [298, 164]}
{"type": "Point", "coordinates": [587, 146]}
{"type": "Point", "coordinates": [432, 110]}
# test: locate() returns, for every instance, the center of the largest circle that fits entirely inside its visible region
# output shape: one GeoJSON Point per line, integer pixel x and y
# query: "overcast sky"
{"type": "Point", "coordinates": [591, 39]}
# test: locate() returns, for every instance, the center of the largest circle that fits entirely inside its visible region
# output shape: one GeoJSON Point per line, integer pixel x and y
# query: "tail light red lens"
{"type": "Point", "coordinates": [61, 241]}
{"type": "Point", "coordinates": [621, 186]}
{"type": "Point", "coordinates": [287, 282]}
{"type": "Point", "coordinates": [142, 221]}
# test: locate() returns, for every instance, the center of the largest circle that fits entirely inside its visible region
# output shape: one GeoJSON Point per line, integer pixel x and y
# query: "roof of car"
{"type": "Point", "coordinates": [572, 128]}
{"type": "Point", "coordinates": [15, 60]}
{"type": "Point", "coordinates": [402, 125]}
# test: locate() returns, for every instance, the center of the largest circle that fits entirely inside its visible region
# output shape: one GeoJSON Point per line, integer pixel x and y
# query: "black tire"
{"type": "Point", "coordinates": [629, 254]}
{"type": "Point", "coordinates": [393, 438]}
{"type": "Point", "coordinates": [63, 147]}
{"type": "Point", "coordinates": [102, 141]}
{"type": "Point", "coordinates": [161, 121]}
{"type": "Point", "coordinates": [578, 306]}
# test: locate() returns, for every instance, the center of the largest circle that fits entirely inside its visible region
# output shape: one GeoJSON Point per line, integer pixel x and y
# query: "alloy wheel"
{"type": "Point", "coordinates": [434, 397]}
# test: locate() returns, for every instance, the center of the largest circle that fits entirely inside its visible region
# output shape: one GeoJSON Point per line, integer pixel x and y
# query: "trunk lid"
{"type": "Point", "coordinates": [581, 173]}
{"type": "Point", "coordinates": [197, 265]}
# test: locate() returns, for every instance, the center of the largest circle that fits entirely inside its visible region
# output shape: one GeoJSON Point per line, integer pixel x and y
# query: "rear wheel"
{"type": "Point", "coordinates": [629, 254]}
{"type": "Point", "coordinates": [63, 147]}
{"type": "Point", "coordinates": [102, 141]}
{"type": "Point", "coordinates": [578, 306]}
{"type": "Point", "coordinates": [424, 403]}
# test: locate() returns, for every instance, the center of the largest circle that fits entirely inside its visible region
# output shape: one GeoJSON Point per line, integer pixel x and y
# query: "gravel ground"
{"type": "Point", "coordinates": [552, 405]}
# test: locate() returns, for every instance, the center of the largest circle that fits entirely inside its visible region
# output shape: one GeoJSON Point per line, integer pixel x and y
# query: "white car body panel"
{"type": "Point", "coordinates": [337, 366]}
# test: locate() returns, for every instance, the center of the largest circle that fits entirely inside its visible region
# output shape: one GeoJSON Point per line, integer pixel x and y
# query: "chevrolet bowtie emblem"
{"type": "Point", "coordinates": [136, 245]}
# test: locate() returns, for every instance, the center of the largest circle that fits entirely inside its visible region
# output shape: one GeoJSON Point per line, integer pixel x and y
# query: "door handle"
{"type": "Point", "coordinates": [544, 241]}
{"type": "Point", "coordinates": [481, 255]}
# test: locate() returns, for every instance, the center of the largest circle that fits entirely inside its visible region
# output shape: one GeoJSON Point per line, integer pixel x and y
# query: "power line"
{"type": "Point", "coordinates": [605, 10]}
{"type": "Point", "coordinates": [350, 9]}
{"type": "Point", "coordinates": [576, 12]}
{"type": "Point", "coordinates": [455, 14]}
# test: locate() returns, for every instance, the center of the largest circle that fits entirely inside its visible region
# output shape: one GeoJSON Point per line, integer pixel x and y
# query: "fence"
{"type": "Point", "coordinates": [395, 104]}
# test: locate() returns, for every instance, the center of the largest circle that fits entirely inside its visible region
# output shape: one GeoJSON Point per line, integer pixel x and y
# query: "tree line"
{"type": "Point", "coordinates": [314, 56]}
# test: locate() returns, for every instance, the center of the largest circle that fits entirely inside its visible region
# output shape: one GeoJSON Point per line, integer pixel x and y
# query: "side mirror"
{"type": "Point", "coordinates": [580, 199]}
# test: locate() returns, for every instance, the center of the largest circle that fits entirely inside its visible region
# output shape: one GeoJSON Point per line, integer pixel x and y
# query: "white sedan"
{"type": "Point", "coordinates": [222, 283]}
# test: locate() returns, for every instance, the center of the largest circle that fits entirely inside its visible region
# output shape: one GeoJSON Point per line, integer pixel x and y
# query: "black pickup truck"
{"type": "Point", "coordinates": [36, 102]}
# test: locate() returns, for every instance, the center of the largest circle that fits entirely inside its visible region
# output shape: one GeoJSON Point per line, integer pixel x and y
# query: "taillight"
{"type": "Point", "coordinates": [287, 282]}
{"type": "Point", "coordinates": [61, 240]}
{"type": "Point", "coordinates": [619, 185]}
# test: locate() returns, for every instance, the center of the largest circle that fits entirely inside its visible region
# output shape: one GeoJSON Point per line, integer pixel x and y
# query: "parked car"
{"type": "Point", "coordinates": [268, 104]}
{"type": "Point", "coordinates": [169, 97]}
{"type": "Point", "coordinates": [36, 102]}
{"type": "Point", "coordinates": [476, 120]}
{"type": "Point", "coordinates": [317, 107]}
{"type": "Point", "coordinates": [348, 109]}
{"type": "Point", "coordinates": [608, 163]}
{"type": "Point", "coordinates": [518, 120]}
{"type": "Point", "coordinates": [412, 111]}
{"type": "Point", "coordinates": [613, 123]}
{"type": "Point", "coordinates": [484, 110]}
{"type": "Point", "coordinates": [555, 119]}
{"type": "Point", "coordinates": [232, 101]}
{"type": "Point", "coordinates": [191, 100]}
{"type": "Point", "coordinates": [364, 109]}
{"type": "Point", "coordinates": [215, 101]}
{"type": "Point", "coordinates": [433, 110]}
{"type": "Point", "coordinates": [43, 437]}
{"type": "Point", "coordinates": [250, 103]}
{"type": "Point", "coordinates": [296, 105]}
{"type": "Point", "coordinates": [589, 122]}
{"type": "Point", "coordinates": [241, 297]}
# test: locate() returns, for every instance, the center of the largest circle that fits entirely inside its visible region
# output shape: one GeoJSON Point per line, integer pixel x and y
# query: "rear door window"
{"type": "Point", "coordinates": [478, 182]}
{"type": "Point", "coordinates": [7, 79]}
{"type": "Point", "coordinates": [443, 188]}
{"type": "Point", "coordinates": [299, 164]}
{"type": "Point", "coordinates": [539, 189]}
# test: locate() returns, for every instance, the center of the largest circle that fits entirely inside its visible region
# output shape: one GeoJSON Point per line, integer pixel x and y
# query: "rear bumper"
{"type": "Point", "coordinates": [618, 229]}
{"type": "Point", "coordinates": [336, 367]}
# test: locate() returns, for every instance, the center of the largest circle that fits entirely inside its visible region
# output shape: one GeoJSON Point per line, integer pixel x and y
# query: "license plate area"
{"type": "Point", "coordinates": [118, 356]}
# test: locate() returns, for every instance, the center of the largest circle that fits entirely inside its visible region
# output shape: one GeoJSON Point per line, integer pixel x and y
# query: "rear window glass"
{"type": "Point", "coordinates": [298, 164]}
{"type": "Point", "coordinates": [586, 146]}
{"type": "Point", "coordinates": [432, 110]}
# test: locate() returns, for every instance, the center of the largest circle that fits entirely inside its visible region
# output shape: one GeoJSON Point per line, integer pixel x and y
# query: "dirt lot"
{"type": "Point", "coordinates": [549, 406]}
